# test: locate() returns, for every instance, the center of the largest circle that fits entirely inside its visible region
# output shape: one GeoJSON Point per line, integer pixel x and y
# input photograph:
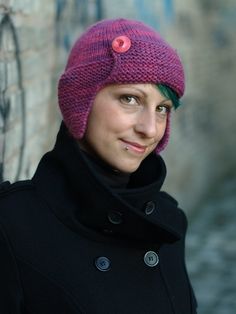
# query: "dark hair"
{"type": "Point", "coordinates": [170, 94]}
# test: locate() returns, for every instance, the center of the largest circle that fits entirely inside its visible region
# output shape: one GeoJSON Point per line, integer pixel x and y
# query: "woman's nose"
{"type": "Point", "coordinates": [147, 124]}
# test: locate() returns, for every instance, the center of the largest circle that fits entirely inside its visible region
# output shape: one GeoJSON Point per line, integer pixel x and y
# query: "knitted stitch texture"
{"type": "Point", "coordinates": [94, 63]}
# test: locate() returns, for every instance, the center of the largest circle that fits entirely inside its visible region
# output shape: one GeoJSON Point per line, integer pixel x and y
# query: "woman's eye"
{"type": "Point", "coordinates": [163, 109]}
{"type": "Point", "coordinates": [130, 100]}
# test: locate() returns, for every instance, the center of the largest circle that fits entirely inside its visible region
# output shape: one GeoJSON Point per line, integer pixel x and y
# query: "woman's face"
{"type": "Point", "coordinates": [125, 124]}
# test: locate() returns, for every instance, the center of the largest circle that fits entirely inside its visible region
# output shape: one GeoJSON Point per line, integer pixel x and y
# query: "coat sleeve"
{"type": "Point", "coordinates": [11, 293]}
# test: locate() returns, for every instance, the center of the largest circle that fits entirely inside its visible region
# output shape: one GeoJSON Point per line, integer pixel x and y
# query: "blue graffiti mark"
{"type": "Point", "coordinates": [220, 38]}
{"type": "Point", "coordinates": [169, 10]}
{"type": "Point", "coordinates": [60, 5]}
{"type": "Point", "coordinates": [146, 14]}
{"type": "Point", "coordinates": [152, 17]}
{"type": "Point", "coordinates": [222, 33]}
{"type": "Point", "coordinates": [99, 9]}
{"type": "Point", "coordinates": [71, 14]}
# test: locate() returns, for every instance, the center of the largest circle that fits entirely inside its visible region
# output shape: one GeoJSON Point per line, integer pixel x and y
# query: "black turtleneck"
{"type": "Point", "coordinates": [115, 179]}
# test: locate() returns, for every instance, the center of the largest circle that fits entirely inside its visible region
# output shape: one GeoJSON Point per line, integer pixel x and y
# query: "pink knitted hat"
{"type": "Point", "coordinates": [115, 51]}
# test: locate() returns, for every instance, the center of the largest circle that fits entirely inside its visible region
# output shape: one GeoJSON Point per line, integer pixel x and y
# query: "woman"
{"type": "Point", "coordinates": [92, 232]}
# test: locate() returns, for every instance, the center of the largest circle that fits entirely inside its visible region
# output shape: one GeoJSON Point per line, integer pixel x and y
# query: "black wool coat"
{"type": "Point", "coordinates": [70, 244]}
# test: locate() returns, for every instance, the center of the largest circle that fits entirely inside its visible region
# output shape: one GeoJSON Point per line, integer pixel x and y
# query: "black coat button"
{"type": "Point", "coordinates": [151, 259]}
{"type": "Point", "coordinates": [115, 217]}
{"type": "Point", "coordinates": [102, 263]}
{"type": "Point", "coordinates": [149, 207]}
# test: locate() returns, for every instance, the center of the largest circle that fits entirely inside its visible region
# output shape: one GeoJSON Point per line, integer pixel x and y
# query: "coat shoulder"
{"type": "Point", "coordinates": [168, 197]}
{"type": "Point", "coordinates": [14, 196]}
{"type": "Point", "coordinates": [6, 187]}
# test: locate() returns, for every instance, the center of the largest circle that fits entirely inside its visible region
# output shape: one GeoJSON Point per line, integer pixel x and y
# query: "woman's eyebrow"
{"type": "Point", "coordinates": [140, 91]}
{"type": "Point", "coordinates": [135, 88]}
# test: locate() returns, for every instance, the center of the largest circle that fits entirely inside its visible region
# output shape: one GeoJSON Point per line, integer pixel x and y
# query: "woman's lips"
{"type": "Point", "coordinates": [136, 147]}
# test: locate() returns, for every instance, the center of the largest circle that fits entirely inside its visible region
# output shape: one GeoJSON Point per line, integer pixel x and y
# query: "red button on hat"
{"type": "Point", "coordinates": [121, 44]}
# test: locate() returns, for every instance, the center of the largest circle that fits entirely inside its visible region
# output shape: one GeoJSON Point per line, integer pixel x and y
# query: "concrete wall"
{"type": "Point", "coordinates": [35, 37]}
{"type": "Point", "coordinates": [26, 63]}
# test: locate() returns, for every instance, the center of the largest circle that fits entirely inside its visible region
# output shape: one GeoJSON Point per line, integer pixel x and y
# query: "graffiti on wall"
{"type": "Point", "coordinates": [168, 10]}
{"type": "Point", "coordinates": [158, 14]}
{"type": "Point", "coordinates": [12, 103]}
{"type": "Point", "coordinates": [223, 21]}
{"type": "Point", "coordinates": [74, 16]}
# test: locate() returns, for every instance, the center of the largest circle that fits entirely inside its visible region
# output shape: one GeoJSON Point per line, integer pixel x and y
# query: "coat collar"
{"type": "Point", "coordinates": [81, 200]}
